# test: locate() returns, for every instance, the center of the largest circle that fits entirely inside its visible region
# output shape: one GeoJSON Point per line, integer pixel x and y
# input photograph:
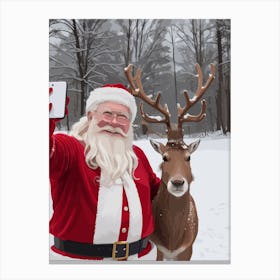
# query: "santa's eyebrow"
{"type": "Point", "coordinates": [127, 114]}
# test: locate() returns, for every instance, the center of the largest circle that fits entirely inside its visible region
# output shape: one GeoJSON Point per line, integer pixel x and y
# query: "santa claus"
{"type": "Point", "coordinates": [101, 184]}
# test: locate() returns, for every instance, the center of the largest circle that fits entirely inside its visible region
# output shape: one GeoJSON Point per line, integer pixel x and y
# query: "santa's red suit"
{"type": "Point", "coordinates": [87, 211]}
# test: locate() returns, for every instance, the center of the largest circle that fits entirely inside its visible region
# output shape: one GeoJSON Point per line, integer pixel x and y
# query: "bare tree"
{"type": "Point", "coordinates": [220, 124]}
{"type": "Point", "coordinates": [207, 41]}
{"type": "Point", "coordinates": [76, 58]}
{"type": "Point", "coordinates": [196, 36]}
{"type": "Point", "coordinates": [145, 46]}
{"type": "Point", "coordinates": [196, 45]}
{"type": "Point", "coordinates": [223, 92]}
{"type": "Point", "coordinates": [172, 42]}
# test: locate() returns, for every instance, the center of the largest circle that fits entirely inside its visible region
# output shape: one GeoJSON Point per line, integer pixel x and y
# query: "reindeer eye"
{"type": "Point", "coordinates": [188, 158]}
{"type": "Point", "coordinates": [165, 158]}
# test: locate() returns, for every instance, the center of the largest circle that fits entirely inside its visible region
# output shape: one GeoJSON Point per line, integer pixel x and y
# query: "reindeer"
{"type": "Point", "coordinates": [174, 210]}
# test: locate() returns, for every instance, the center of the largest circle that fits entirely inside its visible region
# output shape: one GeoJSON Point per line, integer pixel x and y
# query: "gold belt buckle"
{"type": "Point", "coordinates": [115, 244]}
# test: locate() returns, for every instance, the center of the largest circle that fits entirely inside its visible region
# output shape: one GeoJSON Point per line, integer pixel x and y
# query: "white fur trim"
{"type": "Point", "coordinates": [135, 209]}
{"type": "Point", "coordinates": [114, 94]}
{"type": "Point", "coordinates": [109, 213]}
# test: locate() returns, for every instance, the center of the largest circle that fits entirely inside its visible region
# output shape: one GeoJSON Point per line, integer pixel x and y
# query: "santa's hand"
{"type": "Point", "coordinates": [52, 122]}
{"type": "Point", "coordinates": [66, 106]}
{"type": "Point", "coordinates": [52, 125]}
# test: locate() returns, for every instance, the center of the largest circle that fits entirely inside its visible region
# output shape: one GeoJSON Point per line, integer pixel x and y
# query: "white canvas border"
{"type": "Point", "coordinates": [254, 148]}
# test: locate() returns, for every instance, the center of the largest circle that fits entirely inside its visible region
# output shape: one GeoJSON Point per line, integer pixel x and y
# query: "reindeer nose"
{"type": "Point", "coordinates": [177, 183]}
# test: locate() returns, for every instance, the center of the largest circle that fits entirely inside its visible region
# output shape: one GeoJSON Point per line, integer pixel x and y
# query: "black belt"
{"type": "Point", "coordinates": [119, 250]}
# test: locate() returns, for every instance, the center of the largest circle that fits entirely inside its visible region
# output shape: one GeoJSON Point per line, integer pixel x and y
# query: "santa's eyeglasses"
{"type": "Point", "coordinates": [108, 115]}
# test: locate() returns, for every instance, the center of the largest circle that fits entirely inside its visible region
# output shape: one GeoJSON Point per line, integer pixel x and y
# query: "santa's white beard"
{"type": "Point", "coordinates": [111, 152]}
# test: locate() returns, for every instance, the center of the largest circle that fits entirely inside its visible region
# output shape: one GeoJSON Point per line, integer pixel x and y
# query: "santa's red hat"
{"type": "Point", "coordinates": [115, 93]}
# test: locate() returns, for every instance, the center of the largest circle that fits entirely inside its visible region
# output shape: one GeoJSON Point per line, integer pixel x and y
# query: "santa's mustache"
{"type": "Point", "coordinates": [111, 129]}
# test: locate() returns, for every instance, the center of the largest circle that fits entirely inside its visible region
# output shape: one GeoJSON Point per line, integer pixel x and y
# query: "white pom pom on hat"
{"type": "Point", "coordinates": [114, 93]}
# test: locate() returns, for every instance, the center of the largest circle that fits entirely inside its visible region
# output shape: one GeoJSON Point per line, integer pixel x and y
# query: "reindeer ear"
{"type": "Point", "coordinates": [159, 147]}
{"type": "Point", "coordinates": [193, 146]}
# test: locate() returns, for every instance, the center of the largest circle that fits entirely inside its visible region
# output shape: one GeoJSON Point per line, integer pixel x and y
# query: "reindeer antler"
{"type": "Point", "coordinates": [182, 116]}
{"type": "Point", "coordinates": [137, 90]}
{"type": "Point", "coordinates": [174, 131]}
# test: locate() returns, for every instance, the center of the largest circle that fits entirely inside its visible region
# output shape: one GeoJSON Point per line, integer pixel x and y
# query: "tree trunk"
{"type": "Point", "coordinates": [220, 124]}
{"type": "Point", "coordinates": [228, 108]}
{"type": "Point", "coordinates": [174, 66]}
{"type": "Point", "coordinates": [128, 36]}
{"type": "Point", "coordinates": [83, 98]}
{"type": "Point", "coordinates": [210, 115]}
{"type": "Point", "coordinates": [79, 59]}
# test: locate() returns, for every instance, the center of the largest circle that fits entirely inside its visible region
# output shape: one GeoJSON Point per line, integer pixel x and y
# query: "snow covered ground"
{"type": "Point", "coordinates": [211, 191]}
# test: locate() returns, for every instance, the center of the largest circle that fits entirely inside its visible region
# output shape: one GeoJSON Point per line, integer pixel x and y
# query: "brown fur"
{"type": "Point", "coordinates": [175, 224]}
{"type": "Point", "coordinates": [176, 221]}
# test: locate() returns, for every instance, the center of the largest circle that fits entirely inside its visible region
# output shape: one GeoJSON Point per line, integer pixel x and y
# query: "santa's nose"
{"type": "Point", "coordinates": [114, 122]}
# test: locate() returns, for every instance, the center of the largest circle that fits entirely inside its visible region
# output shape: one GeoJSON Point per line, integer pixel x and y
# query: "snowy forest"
{"type": "Point", "coordinates": [88, 53]}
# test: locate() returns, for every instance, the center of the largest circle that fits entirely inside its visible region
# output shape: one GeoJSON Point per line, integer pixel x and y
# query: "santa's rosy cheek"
{"type": "Point", "coordinates": [125, 128]}
{"type": "Point", "coordinates": [102, 123]}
